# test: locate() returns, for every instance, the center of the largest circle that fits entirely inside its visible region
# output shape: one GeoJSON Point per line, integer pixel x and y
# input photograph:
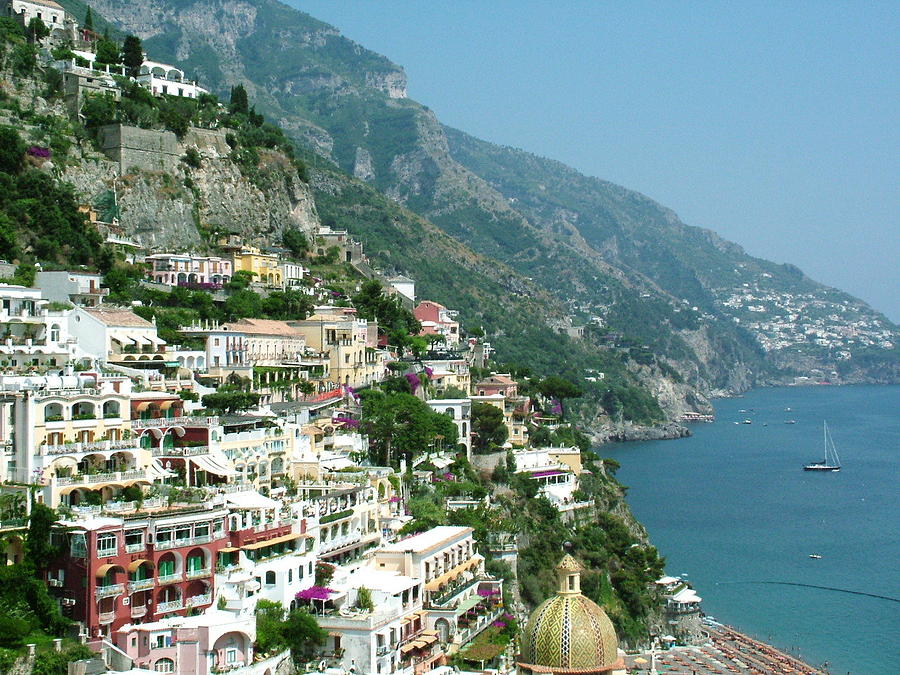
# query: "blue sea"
{"type": "Point", "coordinates": [731, 507]}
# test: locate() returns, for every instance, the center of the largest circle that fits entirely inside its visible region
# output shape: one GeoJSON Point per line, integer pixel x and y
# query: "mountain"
{"type": "Point", "coordinates": [609, 257]}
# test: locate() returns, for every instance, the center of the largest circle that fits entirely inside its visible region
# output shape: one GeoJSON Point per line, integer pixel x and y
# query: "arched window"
{"type": "Point", "coordinates": [270, 578]}
{"type": "Point", "coordinates": [164, 666]}
{"type": "Point", "coordinates": [54, 333]}
{"type": "Point", "coordinates": [450, 413]}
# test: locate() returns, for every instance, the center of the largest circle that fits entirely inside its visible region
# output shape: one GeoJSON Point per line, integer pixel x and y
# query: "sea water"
{"type": "Point", "coordinates": [731, 507]}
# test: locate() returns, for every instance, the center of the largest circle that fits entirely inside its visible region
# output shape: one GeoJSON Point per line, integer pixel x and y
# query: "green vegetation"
{"type": "Point", "coordinates": [488, 427]}
{"type": "Point", "coordinates": [278, 629]}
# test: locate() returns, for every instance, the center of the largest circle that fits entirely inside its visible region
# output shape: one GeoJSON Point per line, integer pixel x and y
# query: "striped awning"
{"type": "Point", "coordinates": [436, 583]}
{"type": "Point", "coordinates": [272, 542]}
{"type": "Point", "coordinates": [103, 569]}
{"type": "Point", "coordinates": [134, 564]}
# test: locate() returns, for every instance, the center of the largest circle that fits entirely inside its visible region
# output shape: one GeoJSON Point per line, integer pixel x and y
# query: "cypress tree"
{"type": "Point", "coordinates": [132, 54]}
{"type": "Point", "coordinates": [89, 20]}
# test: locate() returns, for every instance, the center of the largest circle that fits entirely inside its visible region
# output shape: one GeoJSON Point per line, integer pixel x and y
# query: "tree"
{"type": "Point", "coordinates": [560, 389]}
{"type": "Point", "coordinates": [239, 102]}
{"type": "Point", "coordinates": [12, 150]}
{"type": "Point", "coordinates": [230, 401]}
{"type": "Point", "coordinates": [401, 425]}
{"type": "Point", "coordinates": [288, 305]}
{"type": "Point", "coordinates": [38, 549]}
{"type": "Point", "coordinates": [295, 241]}
{"type": "Point", "coordinates": [89, 20]}
{"type": "Point", "coordinates": [132, 54]}
{"type": "Point", "coordinates": [364, 599]}
{"type": "Point", "coordinates": [243, 304]}
{"type": "Point", "coordinates": [301, 632]}
{"type": "Point", "coordinates": [488, 426]}
{"type": "Point", "coordinates": [108, 52]}
{"type": "Point", "coordinates": [36, 30]}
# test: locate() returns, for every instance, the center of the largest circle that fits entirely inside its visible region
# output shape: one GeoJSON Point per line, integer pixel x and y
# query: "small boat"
{"type": "Point", "coordinates": [747, 422]}
{"type": "Point", "coordinates": [831, 461]}
{"type": "Point", "coordinates": [790, 421]}
{"type": "Point", "coordinates": [815, 556]}
{"type": "Point", "coordinates": [787, 410]}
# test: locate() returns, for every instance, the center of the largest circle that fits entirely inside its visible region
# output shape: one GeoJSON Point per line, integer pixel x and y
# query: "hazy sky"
{"type": "Point", "coordinates": [774, 124]}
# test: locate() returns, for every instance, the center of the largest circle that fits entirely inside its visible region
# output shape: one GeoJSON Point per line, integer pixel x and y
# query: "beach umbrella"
{"type": "Point", "coordinates": [640, 660]}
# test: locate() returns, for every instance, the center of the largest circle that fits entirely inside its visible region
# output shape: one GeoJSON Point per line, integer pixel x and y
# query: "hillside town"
{"type": "Point", "coordinates": [323, 478]}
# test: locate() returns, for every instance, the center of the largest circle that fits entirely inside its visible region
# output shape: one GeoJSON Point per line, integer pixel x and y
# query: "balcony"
{"type": "Point", "coordinates": [198, 574]}
{"type": "Point", "coordinates": [182, 421]}
{"type": "Point", "coordinates": [138, 611]}
{"type": "Point", "coordinates": [135, 548]}
{"type": "Point", "coordinates": [107, 591]}
{"type": "Point", "coordinates": [107, 617]}
{"type": "Point", "coordinates": [110, 477]}
{"type": "Point", "coordinates": [170, 578]}
{"type": "Point", "coordinates": [198, 600]}
{"type": "Point", "coordinates": [140, 585]}
{"type": "Point", "coordinates": [171, 606]}
{"type": "Point", "coordinates": [181, 452]}
{"type": "Point", "coordinates": [186, 541]}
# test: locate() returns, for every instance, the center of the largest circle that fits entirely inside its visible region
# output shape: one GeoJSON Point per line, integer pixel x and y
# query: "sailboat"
{"type": "Point", "coordinates": [831, 462]}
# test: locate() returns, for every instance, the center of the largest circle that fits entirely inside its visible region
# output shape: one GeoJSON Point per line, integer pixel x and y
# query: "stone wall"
{"type": "Point", "coordinates": [144, 149]}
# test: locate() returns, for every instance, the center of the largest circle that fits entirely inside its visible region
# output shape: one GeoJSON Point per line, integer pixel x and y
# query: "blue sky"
{"type": "Point", "coordinates": [774, 124]}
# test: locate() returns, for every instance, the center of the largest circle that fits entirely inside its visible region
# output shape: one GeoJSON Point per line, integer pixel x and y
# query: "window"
{"type": "Point", "coordinates": [270, 578]}
{"type": "Point", "coordinates": [166, 567]}
{"type": "Point", "coordinates": [164, 666]}
{"type": "Point", "coordinates": [290, 576]}
{"type": "Point", "coordinates": [571, 582]}
{"type": "Point", "coordinates": [163, 537]}
{"type": "Point", "coordinates": [201, 530]}
{"type": "Point", "coordinates": [106, 545]}
{"type": "Point", "coordinates": [160, 641]}
{"type": "Point", "coordinates": [134, 538]}
{"type": "Point", "coordinates": [231, 656]}
{"type": "Point", "coordinates": [195, 563]}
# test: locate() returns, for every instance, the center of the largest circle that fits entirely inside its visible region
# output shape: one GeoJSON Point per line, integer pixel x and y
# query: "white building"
{"type": "Point", "coordinates": [79, 288]}
{"type": "Point", "coordinates": [460, 411]}
{"type": "Point", "coordinates": [177, 269]}
{"type": "Point", "coordinates": [292, 274]}
{"type": "Point", "coordinates": [115, 333]}
{"type": "Point", "coordinates": [161, 78]}
{"type": "Point", "coordinates": [404, 286]}
{"type": "Point", "coordinates": [30, 334]}
{"type": "Point", "coordinates": [51, 13]}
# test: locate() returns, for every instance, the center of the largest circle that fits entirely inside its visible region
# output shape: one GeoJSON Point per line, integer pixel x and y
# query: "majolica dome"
{"type": "Point", "coordinates": [569, 633]}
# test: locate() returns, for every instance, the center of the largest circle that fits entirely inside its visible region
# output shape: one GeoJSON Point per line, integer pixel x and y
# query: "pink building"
{"type": "Point", "coordinates": [438, 320]}
{"type": "Point", "coordinates": [175, 269]}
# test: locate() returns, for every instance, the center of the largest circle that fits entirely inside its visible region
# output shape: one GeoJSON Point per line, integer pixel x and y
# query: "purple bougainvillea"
{"type": "Point", "coordinates": [414, 381]}
{"type": "Point", "coordinates": [38, 151]}
{"type": "Point", "coordinates": [429, 372]}
{"type": "Point", "coordinates": [314, 593]}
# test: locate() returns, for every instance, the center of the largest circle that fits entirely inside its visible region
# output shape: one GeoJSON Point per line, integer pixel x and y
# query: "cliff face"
{"type": "Point", "coordinates": [183, 207]}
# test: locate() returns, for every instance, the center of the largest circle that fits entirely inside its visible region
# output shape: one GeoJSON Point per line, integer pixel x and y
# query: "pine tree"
{"type": "Point", "coordinates": [89, 20]}
{"type": "Point", "coordinates": [239, 102]}
{"type": "Point", "coordinates": [132, 54]}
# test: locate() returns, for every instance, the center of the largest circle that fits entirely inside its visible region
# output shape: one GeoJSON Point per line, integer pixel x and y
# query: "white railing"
{"type": "Point", "coordinates": [169, 578]}
{"type": "Point", "coordinates": [107, 617]}
{"type": "Point", "coordinates": [199, 600]}
{"type": "Point", "coordinates": [111, 477]}
{"type": "Point", "coordinates": [135, 548]}
{"type": "Point", "coordinates": [198, 574]}
{"type": "Point", "coordinates": [138, 611]}
{"type": "Point", "coordinates": [94, 446]}
{"type": "Point", "coordinates": [171, 606]}
{"type": "Point", "coordinates": [111, 589]}
{"type": "Point", "coordinates": [140, 585]}
{"type": "Point", "coordinates": [181, 452]}
{"type": "Point", "coordinates": [178, 543]}
{"type": "Point", "coordinates": [175, 422]}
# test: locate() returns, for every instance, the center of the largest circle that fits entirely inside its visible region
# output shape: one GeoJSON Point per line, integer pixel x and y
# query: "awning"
{"type": "Point", "coordinates": [165, 405]}
{"type": "Point", "coordinates": [229, 549]}
{"type": "Point", "coordinates": [134, 564]}
{"type": "Point", "coordinates": [435, 584]}
{"type": "Point", "coordinates": [272, 542]}
{"type": "Point", "coordinates": [407, 648]}
{"type": "Point", "coordinates": [142, 406]}
{"type": "Point", "coordinates": [158, 470]}
{"type": "Point", "coordinates": [249, 500]}
{"type": "Point", "coordinates": [210, 465]}
{"type": "Point", "coordinates": [427, 639]}
{"type": "Point", "coordinates": [103, 569]}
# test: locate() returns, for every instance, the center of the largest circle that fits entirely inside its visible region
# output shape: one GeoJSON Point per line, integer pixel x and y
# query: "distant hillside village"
{"type": "Point", "coordinates": [298, 486]}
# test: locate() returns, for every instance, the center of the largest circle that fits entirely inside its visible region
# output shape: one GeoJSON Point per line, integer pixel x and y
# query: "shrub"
{"type": "Point", "coordinates": [192, 158]}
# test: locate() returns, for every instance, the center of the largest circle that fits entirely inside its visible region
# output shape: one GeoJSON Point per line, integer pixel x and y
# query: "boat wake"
{"type": "Point", "coordinates": [821, 588]}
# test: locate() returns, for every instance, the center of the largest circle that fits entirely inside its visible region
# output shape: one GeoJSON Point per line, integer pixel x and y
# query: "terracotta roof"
{"type": "Point", "coordinates": [264, 327]}
{"type": "Point", "coordinates": [117, 316]}
{"type": "Point", "coordinates": [497, 379]}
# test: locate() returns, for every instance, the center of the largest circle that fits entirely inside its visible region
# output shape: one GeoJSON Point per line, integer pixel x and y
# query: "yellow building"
{"type": "Point", "coordinates": [263, 266]}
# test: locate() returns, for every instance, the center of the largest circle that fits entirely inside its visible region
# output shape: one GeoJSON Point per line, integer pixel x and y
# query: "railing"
{"type": "Point", "coordinates": [135, 548]}
{"type": "Point", "coordinates": [138, 611]}
{"type": "Point", "coordinates": [175, 422]}
{"type": "Point", "coordinates": [178, 543]}
{"type": "Point", "coordinates": [140, 585]}
{"type": "Point", "coordinates": [198, 574]}
{"type": "Point", "coordinates": [171, 606]}
{"type": "Point", "coordinates": [467, 634]}
{"type": "Point", "coordinates": [181, 452]}
{"type": "Point", "coordinates": [198, 600]}
{"type": "Point", "coordinates": [443, 600]}
{"type": "Point", "coordinates": [107, 617]}
{"type": "Point", "coordinates": [110, 477]}
{"type": "Point", "coordinates": [66, 448]}
{"type": "Point", "coordinates": [169, 578]}
{"type": "Point", "coordinates": [111, 589]}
